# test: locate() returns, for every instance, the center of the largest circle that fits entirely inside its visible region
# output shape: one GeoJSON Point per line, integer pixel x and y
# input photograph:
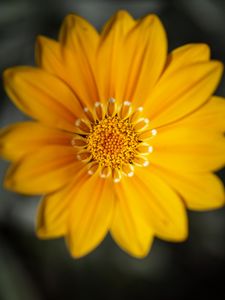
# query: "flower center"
{"type": "Point", "coordinates": [113, 142]}
{"type": "Point", "coordinates": [113, 139]}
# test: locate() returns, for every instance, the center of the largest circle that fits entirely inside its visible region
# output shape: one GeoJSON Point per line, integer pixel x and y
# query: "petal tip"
{"type": "Point", "coordinates": [9, 183]}
{"type": "Point", "coordinates": [122, 13]}
{"type": "Point", "coordinates": [138, 252]}
{"type": "Point", "coordinates": [41, 40]}
{"type": "Point", "coordinates": [205, 49]}
{"type": "Point", "coordinates": [182, 233]}
{"type": "Point", "coordinates": [40, 233]}
{"type": "Point", "coordinates": [77, 252]}
{"type": "Point", "coordinates": [7, 73]}
{"type": "Point", "coordinates": [217, 66]}
{"type": "Point", "coordinates": [151, 19]}
{"type": "Point", "coordinates": [141, 254]}
{"type": "Point", "coordinates": [11, 74]}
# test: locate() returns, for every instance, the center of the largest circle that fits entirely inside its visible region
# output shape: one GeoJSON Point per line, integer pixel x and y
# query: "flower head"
{"type": "Point", "coordinates": [125, 137]}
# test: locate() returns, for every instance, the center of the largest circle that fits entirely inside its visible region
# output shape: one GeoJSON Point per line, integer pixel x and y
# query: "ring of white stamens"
{"type": "Point", "coordinates": [112, 139]}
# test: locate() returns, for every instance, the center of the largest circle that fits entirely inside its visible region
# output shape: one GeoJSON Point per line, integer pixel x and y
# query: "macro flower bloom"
{"type": "Point", "coordinates": [125, 136]}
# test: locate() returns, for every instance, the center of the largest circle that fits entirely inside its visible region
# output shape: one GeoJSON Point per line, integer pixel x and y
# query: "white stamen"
{"type": "Point", "coordinates": [86, 109]}
{"type": "Point", "coordinates": [102, 175]}
{"type": "Point", "coordinates": [150, 149]}
{"type": "Point", "coordinates": [145, 163]}
{"type": "Point", "coordinates": [112, 100]}
{"type": "Point", "coordinates": [90, 172]}
{"type": "Point", "coordinates": [79, 157]}
{"type": "Point", "coordinates": [116, 180]}
{"type": "Point", "coordinates": [127, 103]}
{"type": "Point", "coordinates": [154, 132]}
{"type": "Point", "coordinates": [140, 108]}
{"type": "Point", "coordinates": [77, 122]}
{"type": "Point", "coordinates": [97, 104]}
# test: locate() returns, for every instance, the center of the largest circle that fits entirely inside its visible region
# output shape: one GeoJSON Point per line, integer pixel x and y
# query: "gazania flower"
{"type": "Point", "coordinates": [125, 137]}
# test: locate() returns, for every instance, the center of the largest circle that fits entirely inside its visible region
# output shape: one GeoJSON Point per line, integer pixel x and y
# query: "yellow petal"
{"type": "Point", "coordinates": [186, 55]}
{"type": "Point", "coordinates": [58, 60]}
{"type": "Point", "coordinates": [110, 56]}
{"type": "Point", "coordinates": [209, 117]}
{"type": "Point", "coordinates": [146, 205]}
{"type": "Point", "coordinates": [23, 138]}
{"type": "Point", "coordinates": [145, 54]}
{"type": "Point", "coordinates": [199, 191]}
{"type": "Point", "coordinates": [42, 96]}
{"type": "Point", "coordinates": [182, 92]}
{"type": "Point", "coordinates": [129, 228]}
{"type": "Point", "coordinates": [90, 215]}
{"type": "Point", "coordinates": [77, 34]}
{"type": "Point", "coordinates": [191, 149]}
{"type": "Point", "coordinates": [79, 41]}
{"type": "Point", "coordinates": [54, 209]}
{"type": "Point", "coordinates": [44, 171]}
{"type": "Point", "coordinates": [155, 203]}
{"type": "Point", "coordinates": [49, 57]}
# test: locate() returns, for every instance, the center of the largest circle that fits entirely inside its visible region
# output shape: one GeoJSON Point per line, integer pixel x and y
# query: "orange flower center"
{"type": "Point", "coordinates": [113, 142]}
{"type": "Point", "coordinates": [113, 139]}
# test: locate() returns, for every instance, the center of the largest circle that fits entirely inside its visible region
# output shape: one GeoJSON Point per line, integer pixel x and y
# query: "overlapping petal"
{"type": "Point", "coordinates": [111, 55]}
{"type": "Point", "coordinates": [48, 56]}
{"type": "Point", "coordinates": [79, 41]}
{"type": "Point", "coordinates": [25, 138]}
{"type": "Point", "coordinates": [209, 118]}
{"type": "Point", "coordinates": [149, 201]}
{"type": "Point", "coordinates": [133, 55]}
{"type": "Point", "coordinates": [181, 93]}
{"type": "Point", "coordinates": [199, 191]}
{"type": "Point", "coordinates": [44, 171]}
{"type": "Point", "coordinates": [42, 96]}
{"type": "Point", "coordinates": [190, 149]}
{"type": "Point", "coordinates": [90, 215]}
{"type": "Point", "coordinates": [129, 228]}
{"type": "Point", "coordinates": [54, 209]}
{"type": "Point", "coordinates": [145, 53]}
{"type": "Point", "coordinates": [186, 55]}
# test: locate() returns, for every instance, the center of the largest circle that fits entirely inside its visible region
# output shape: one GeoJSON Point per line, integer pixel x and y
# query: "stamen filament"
{"type": "Point", "coordinates": [99, 113]}
{"type": "Point", "coordinates": [111, 109]}
{"type": "Point", "coordinates": [141, 124]}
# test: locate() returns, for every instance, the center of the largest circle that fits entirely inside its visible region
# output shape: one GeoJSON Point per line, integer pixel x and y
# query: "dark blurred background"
{"type": "Point", "coordinates": [31, 269]}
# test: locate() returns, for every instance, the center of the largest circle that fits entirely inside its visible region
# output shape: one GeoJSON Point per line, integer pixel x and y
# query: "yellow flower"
{"type": "Point", "coordinates": [125, 136]}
